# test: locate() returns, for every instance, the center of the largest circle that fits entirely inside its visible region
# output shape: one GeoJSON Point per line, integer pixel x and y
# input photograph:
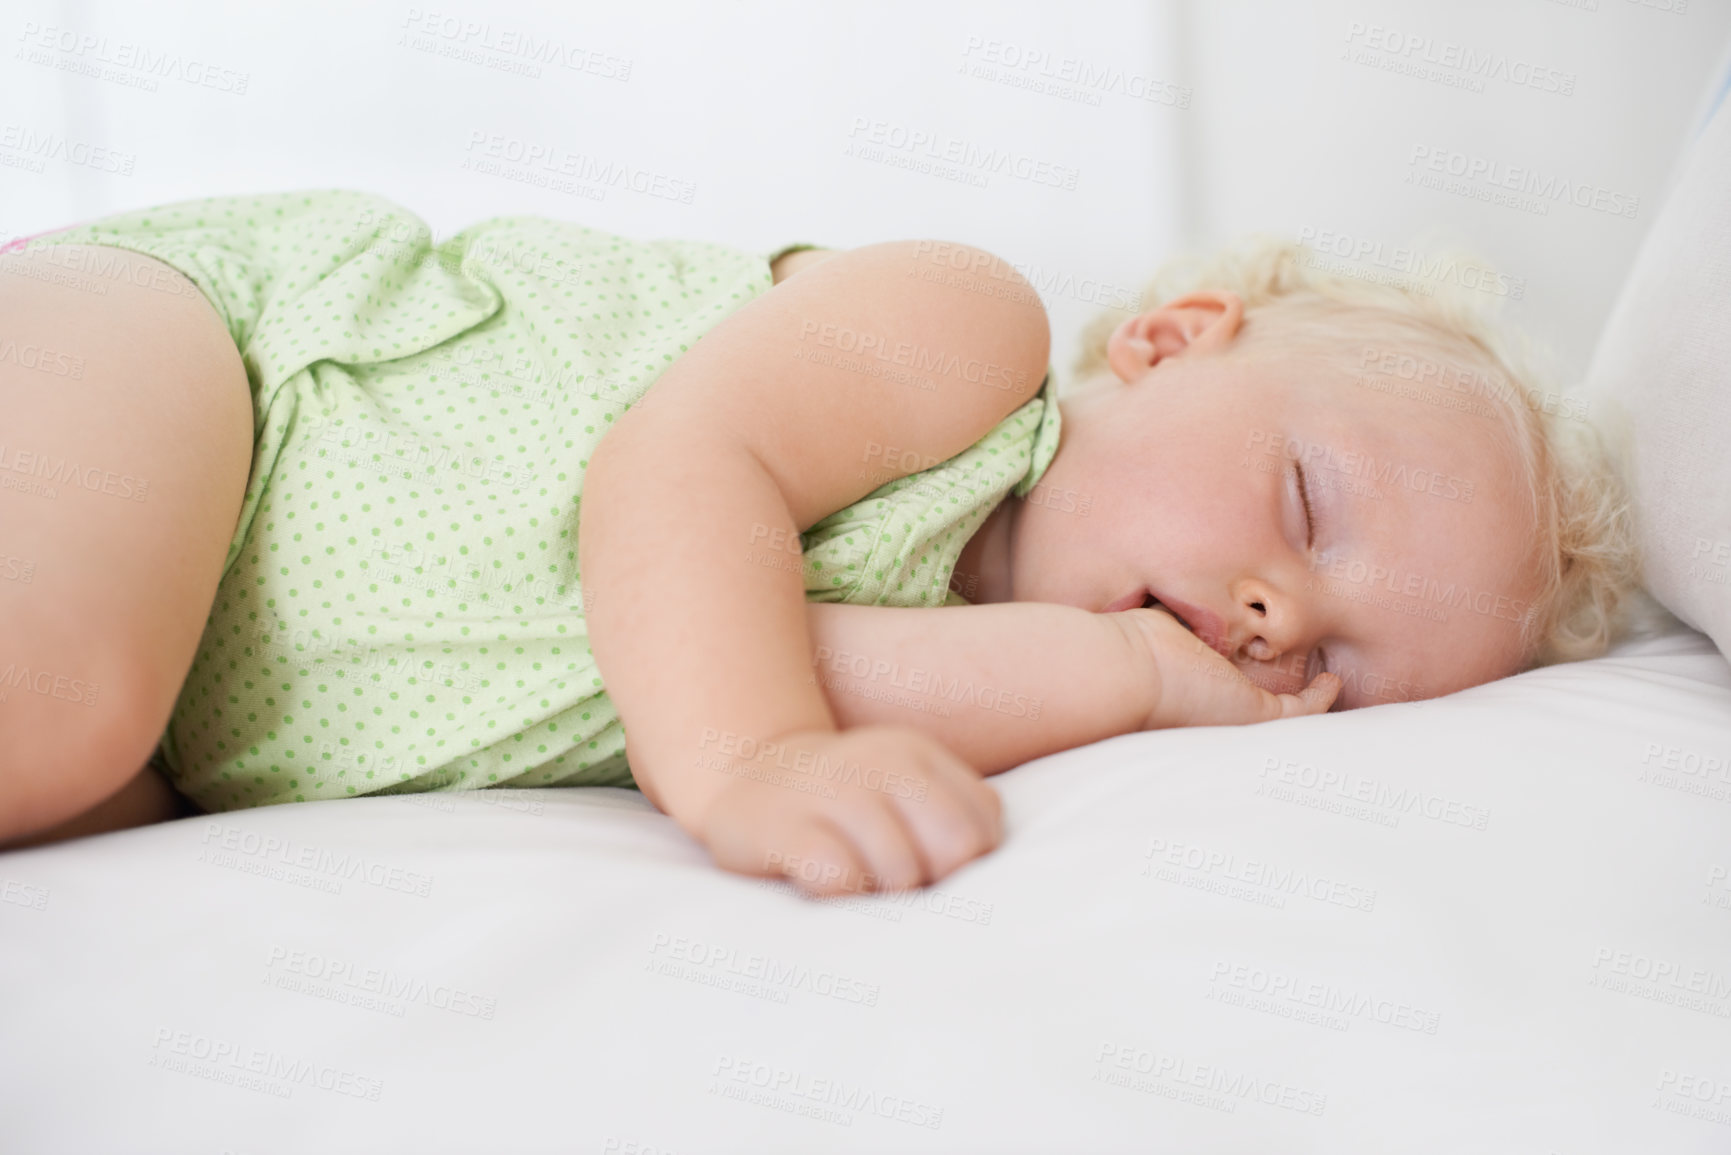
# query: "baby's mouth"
{"type": "Point", "coordinates": [1202, 623]}
{"type": "Point", "coordinates": [1150, 602]}
{"type": "Point", "coordinates": [1145, 599]}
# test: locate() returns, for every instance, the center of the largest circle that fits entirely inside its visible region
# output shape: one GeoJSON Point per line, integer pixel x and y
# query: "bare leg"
{"type": "Point", "coordinates": [124, 455]}
{"type": "Point", "coordinates": [147, 797]}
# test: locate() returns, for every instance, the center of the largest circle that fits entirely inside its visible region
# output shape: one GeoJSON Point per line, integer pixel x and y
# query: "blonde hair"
{"type": "Point", "coordinates": [1585, 556]}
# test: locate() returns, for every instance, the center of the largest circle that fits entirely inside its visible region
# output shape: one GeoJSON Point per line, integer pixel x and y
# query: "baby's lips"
{"type": "Point", "coordinates": [1205, 624]}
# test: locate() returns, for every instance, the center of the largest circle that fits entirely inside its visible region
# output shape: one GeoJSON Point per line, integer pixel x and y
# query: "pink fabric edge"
{"type": "Point", "coordinates": [20, 242]}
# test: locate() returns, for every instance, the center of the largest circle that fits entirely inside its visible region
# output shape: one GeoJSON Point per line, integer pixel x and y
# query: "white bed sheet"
{"type": "Point", "coordinates": [1182, 946]}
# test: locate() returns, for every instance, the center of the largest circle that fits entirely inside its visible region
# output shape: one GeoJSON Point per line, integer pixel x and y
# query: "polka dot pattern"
{"type": "Point", "coordinates": [400, 608]}
{"type": "Point", "coordinates": [899, 544]}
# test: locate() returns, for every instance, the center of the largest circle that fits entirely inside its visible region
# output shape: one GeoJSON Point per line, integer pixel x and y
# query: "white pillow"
{"type": "Point", "coordinates": [1661, 379]}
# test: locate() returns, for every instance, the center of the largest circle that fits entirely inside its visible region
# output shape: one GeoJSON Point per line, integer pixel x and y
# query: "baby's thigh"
{"type": "Point", "coordinates": [125, 445]}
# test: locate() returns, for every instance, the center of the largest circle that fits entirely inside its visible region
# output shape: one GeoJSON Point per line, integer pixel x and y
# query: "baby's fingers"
{"type": "Point", "coordinates": [751, 830]}
{"type": "Point", "coordinates": [955, 819]}
{"type": "Point", "coordinates": [1315, 698]}
{"type": "Point", "coordinates": [824, 861]}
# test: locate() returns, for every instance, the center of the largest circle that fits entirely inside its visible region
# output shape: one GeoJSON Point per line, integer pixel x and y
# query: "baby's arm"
{"type": "Point", "coordinates": [1005, 683]}
{"type": "Point", "coordinates": [998, 684]}
{"type": "Point", "coordinates": [746, 434]}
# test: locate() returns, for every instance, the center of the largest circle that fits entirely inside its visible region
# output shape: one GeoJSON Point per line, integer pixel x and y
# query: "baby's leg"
{"type": "Point", "coordinates": [125, 445]}
{"type": "Point", "coordinates": [145, 798]}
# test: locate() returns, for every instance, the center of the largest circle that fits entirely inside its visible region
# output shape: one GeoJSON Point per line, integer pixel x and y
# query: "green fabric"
{"type": "Point", "coordinates": [400, 609]}
{"type": "Point", "coordinates": [898, 545]}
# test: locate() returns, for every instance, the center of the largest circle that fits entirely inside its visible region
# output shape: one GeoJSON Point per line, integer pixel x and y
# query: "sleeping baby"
{"type": "Point", "coordinates": [1269, 493]}
{"type": "Point", "coordinates": [805, 544]}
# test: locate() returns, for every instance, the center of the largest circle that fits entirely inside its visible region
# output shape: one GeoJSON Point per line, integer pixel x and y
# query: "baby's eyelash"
{"type": "Point", "coordinates": [1304, 495]}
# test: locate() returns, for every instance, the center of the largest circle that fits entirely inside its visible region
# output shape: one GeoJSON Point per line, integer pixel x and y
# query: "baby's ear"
{"type": "Point", "coordinates": [1196, 323]}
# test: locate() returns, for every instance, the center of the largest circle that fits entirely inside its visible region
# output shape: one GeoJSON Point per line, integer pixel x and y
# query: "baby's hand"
{"type": "Point", "coordinates": [1195, 686]}
{"type": "Point", "coordinates": [871, 808]}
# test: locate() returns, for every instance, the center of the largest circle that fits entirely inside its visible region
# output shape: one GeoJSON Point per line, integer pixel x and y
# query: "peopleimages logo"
{"type": "Point", "coordinates": [91, 55]}
{"type": "Point", "coordinates": [966, 267]}
{"type": "Point", "coordinates": [881, 140]}
{"type": "Point", "coordinates": [1520, 186]}
{"type": "Point", "coordinates": [1252, 872]}
{"type": "Point", "coordinates": [1139, 1069]}
{"type": "Point", "coordinates": [1716, 552]}
{"type": "Point", "coordinates": [1392, 46]}
{"type": "Point", "coordinates": [47, 683]}
{"type": "Point", "coordinates": [1397, 799]}
{"type": "Point", "coordinates": [552, 159]}
{"type": "Point", "coordinates": [100, 264]}
{"type": "Point", "coordinates": [53, 146]}
{"type": "Point", "coordinates": [1070, 77]}
{"type": "Point", "coordinates": [225, 1060]}
{"type": "Point", "coordinates": [69, 473]}
{"type": "Point", "coordinates": [326, 976]}
{"type": "Point", "coordinates": [1330, 998]}
{"type": "Point", "coordinates": [508, 42]}
{"type": "Point", "coordinates": [919, 680]}
{"type": "Point", "coordinates": [1361, 574]}
{"type": "Point", "coordinates": [333, 864]}
{"type": "Point", "coordinates": [1413, 262]}
{"type": "Point", "coordinates": [919, 358]}
{"type": "Point", "coordinates": [1351, 463]}
{"type": "Point", "coordinates": [797, 1089]}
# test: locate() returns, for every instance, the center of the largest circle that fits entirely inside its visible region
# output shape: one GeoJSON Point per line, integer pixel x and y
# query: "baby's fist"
{"type": "Point", "coordinates": [867, 809]}
{"type": "Point", "coordinates": [1192, 685]}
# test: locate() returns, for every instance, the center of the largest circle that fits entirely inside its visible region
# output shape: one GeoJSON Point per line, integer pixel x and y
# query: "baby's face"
{"type": "Point", "coordinates": [1186, 480]}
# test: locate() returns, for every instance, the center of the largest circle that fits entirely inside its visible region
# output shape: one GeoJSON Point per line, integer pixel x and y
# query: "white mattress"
{"type": "Point", "coordinates": [1183, 945]}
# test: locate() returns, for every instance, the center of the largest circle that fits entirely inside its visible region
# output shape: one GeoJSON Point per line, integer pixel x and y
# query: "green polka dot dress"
{"type": "Point", "coordinates": [400, 609]}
